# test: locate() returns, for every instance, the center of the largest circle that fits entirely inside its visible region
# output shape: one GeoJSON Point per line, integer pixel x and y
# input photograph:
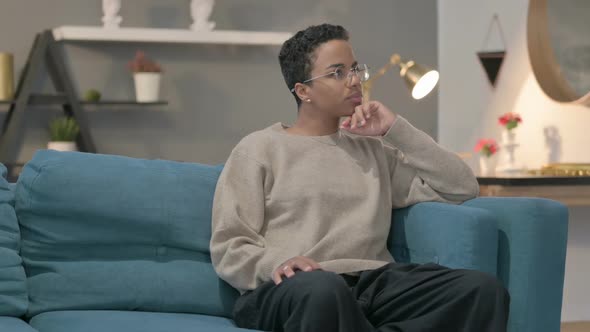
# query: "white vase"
{"type": "Point", "coordinates": [62, 146]}
{"type": "Point", "coordinates": [147, 87]}
{"type": "Point", "coordinates": [487, 165]}
{"type": "Point", "coordinates": [509, 145]}
{"type": "Point", "coordinates": [508, 136]}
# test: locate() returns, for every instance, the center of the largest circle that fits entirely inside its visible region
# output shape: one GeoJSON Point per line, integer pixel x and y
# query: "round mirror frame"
{"type": "Point", "coordinates": [542, 58]}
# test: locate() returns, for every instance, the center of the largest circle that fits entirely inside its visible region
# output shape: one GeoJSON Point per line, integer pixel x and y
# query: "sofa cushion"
{"type": "Point", "coordinates": [13, 324]}
{"type": "Point", "coordinates": [130, 321]}
{"type": "Point", "coordinates": [116, 233]}
{"type": "Point", "coordinates": [13, 287]}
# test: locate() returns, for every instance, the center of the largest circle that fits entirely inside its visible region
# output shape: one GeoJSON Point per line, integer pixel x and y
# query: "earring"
{"type": "Point", "coordinates": [308, 100]}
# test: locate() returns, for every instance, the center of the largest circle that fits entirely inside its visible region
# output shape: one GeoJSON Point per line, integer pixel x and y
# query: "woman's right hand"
{"type": "Point", "coordinates": [289, 267]}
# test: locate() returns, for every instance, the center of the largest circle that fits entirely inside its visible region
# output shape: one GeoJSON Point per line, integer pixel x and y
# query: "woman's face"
{"type": "Point", "coordinates": [337, 97]}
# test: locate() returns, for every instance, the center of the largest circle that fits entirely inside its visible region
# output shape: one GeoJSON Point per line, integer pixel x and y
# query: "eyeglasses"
{"type": "Point", "coordinates": [361, 71]}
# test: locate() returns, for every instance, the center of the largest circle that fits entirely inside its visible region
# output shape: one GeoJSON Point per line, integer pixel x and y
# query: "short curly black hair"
{"type": "Point", "coordinates": [296, 53]}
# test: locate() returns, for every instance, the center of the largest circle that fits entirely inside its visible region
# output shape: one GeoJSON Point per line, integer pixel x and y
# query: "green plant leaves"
{"type": "Point", "coordinates": [64, 129]}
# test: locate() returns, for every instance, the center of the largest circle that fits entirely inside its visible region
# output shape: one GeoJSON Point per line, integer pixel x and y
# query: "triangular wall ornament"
{"type": "Point", "coordinates": [492, 60]}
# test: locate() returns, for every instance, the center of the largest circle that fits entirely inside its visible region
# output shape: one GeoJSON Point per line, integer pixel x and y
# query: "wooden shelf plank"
{"type": "Point", "coordinates": [122, 102]}
{"type": "Point", "coordinates": [152, 35]}
{"type": "Point", "coordinates": [46, 99]}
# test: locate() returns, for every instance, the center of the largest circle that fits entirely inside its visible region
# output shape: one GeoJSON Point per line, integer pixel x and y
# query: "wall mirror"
{"type": "Point", "coordinates": [558, 37]}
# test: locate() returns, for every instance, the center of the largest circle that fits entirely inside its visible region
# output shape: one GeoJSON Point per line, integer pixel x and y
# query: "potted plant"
{"type": "Point", "coordinates": [92, 95]}
{"type": "Point", "coordinates": [146, 74]}
{"type": "Point", "coordinates": [63, 132]}
{"type": "Point", "coordinates": [488, 160]}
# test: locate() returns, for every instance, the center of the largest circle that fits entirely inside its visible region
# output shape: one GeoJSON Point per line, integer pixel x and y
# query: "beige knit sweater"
{"type": "Point", "coordinates": [325, 197]}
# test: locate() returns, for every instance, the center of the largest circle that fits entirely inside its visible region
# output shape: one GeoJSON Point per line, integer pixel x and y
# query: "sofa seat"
{"type": "Point", "coordinates": [14, 324]}
{"type": "Point", "coordinates": [129, 321]}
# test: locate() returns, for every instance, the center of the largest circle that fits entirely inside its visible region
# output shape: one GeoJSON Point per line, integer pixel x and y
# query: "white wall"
{"type": "Point", "coordinates": [469, 108]}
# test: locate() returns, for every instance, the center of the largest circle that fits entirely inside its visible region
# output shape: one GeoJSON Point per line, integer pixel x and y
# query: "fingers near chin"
{"type": "Point", "coordinates": [360, 115]}
{"type": "Point", "coordinates": [372, 107]}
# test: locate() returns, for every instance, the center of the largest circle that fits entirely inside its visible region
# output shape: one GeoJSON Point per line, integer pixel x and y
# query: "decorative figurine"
{"type": "Point", "coordinates": [200, 12]}
{"type": "Point", "coordinates": [110, 9]}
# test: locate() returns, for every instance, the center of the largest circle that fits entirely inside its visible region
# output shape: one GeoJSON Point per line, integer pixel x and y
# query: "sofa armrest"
{"type": "Point", "coordinates": [531, 258]}
{"type": "Point", "coordinates": [455, 236]}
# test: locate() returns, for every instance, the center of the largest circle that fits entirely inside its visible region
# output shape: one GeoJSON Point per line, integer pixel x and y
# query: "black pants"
{"type": "Point", "coordinates": [396, 297]}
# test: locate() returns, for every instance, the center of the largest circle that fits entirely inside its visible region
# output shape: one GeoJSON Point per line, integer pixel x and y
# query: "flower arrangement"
{"type": "Point", "coordinates": [510, 120]}
{"type": "Point", "coordinates": [142, 64]}
{"type": "Point", "coordinates": [486, 147]}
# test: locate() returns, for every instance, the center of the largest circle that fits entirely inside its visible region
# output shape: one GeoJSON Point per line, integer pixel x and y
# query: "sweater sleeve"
{"type": "Point", "coordinates": [238, 250]}
{"type": "Point", "coordinates": [421, 170]}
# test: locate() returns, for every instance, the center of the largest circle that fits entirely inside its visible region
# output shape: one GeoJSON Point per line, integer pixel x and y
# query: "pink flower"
{"type": "Point", "coordinates": [510, 120]}
{"type": "Point", "coordinates": [487, 147]}
{"type": "Point", "coordinates": [142, 64]}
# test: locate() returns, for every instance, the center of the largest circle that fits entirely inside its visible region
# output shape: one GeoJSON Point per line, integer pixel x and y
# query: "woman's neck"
{"type": "Point", "coordinates": [314, 123]}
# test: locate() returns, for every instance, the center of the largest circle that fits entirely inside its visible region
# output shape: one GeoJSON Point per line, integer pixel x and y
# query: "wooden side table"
{"type": "Point", "coordinates": [570, 190]}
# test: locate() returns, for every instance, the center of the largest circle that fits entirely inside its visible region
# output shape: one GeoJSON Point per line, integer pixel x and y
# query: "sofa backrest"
{"type": "Point", "coordinates": [13, 282]}
{"type": "Point", "coordinates": [117, 233]}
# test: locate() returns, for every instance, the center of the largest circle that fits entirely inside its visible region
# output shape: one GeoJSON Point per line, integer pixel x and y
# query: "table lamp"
{"type": "Point", "coordinates": [419, 79]}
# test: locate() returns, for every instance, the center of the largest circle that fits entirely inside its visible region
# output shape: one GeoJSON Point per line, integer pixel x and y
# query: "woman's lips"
{"type": "Point", "coordinates": [356, 98]}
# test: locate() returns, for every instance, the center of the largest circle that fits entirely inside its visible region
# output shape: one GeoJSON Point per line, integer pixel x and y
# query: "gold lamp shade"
{"type": "Point", "coordinates": [419, 79]}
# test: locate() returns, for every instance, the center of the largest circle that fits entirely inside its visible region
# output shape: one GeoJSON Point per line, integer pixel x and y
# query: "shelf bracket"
{"type": "Point", "coordinates": [46, 51]}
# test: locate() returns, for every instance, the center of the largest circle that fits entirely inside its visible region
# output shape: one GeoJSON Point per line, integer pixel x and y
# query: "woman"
{"type": "Point", "coordinates": [302, 213]}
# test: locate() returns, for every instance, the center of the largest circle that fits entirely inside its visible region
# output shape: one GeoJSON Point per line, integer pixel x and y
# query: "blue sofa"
{"type": "Point", "coordinates": [94, 242]}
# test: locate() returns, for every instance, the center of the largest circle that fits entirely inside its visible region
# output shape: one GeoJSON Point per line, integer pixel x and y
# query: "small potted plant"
{"type": "Point", "coordinates": [92, 95]}
{"type": "Point", "coordinates": [63, 132]}
{"type": "Point", "coordinates": [487, 149]}
{"type": "Point", "coordinates": [146, 74]}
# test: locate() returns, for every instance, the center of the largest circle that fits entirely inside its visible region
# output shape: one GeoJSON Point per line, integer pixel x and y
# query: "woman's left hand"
{"type": "Point", "coordinates": [370, 119]}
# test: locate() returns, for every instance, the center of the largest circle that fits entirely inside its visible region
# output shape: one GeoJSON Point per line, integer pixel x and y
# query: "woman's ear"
{"type": "Point", "coordinates": [302, 91]}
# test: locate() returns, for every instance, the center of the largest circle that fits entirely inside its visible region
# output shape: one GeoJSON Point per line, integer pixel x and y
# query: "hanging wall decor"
{"type": "Point", "coordinates": [491, 60]}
